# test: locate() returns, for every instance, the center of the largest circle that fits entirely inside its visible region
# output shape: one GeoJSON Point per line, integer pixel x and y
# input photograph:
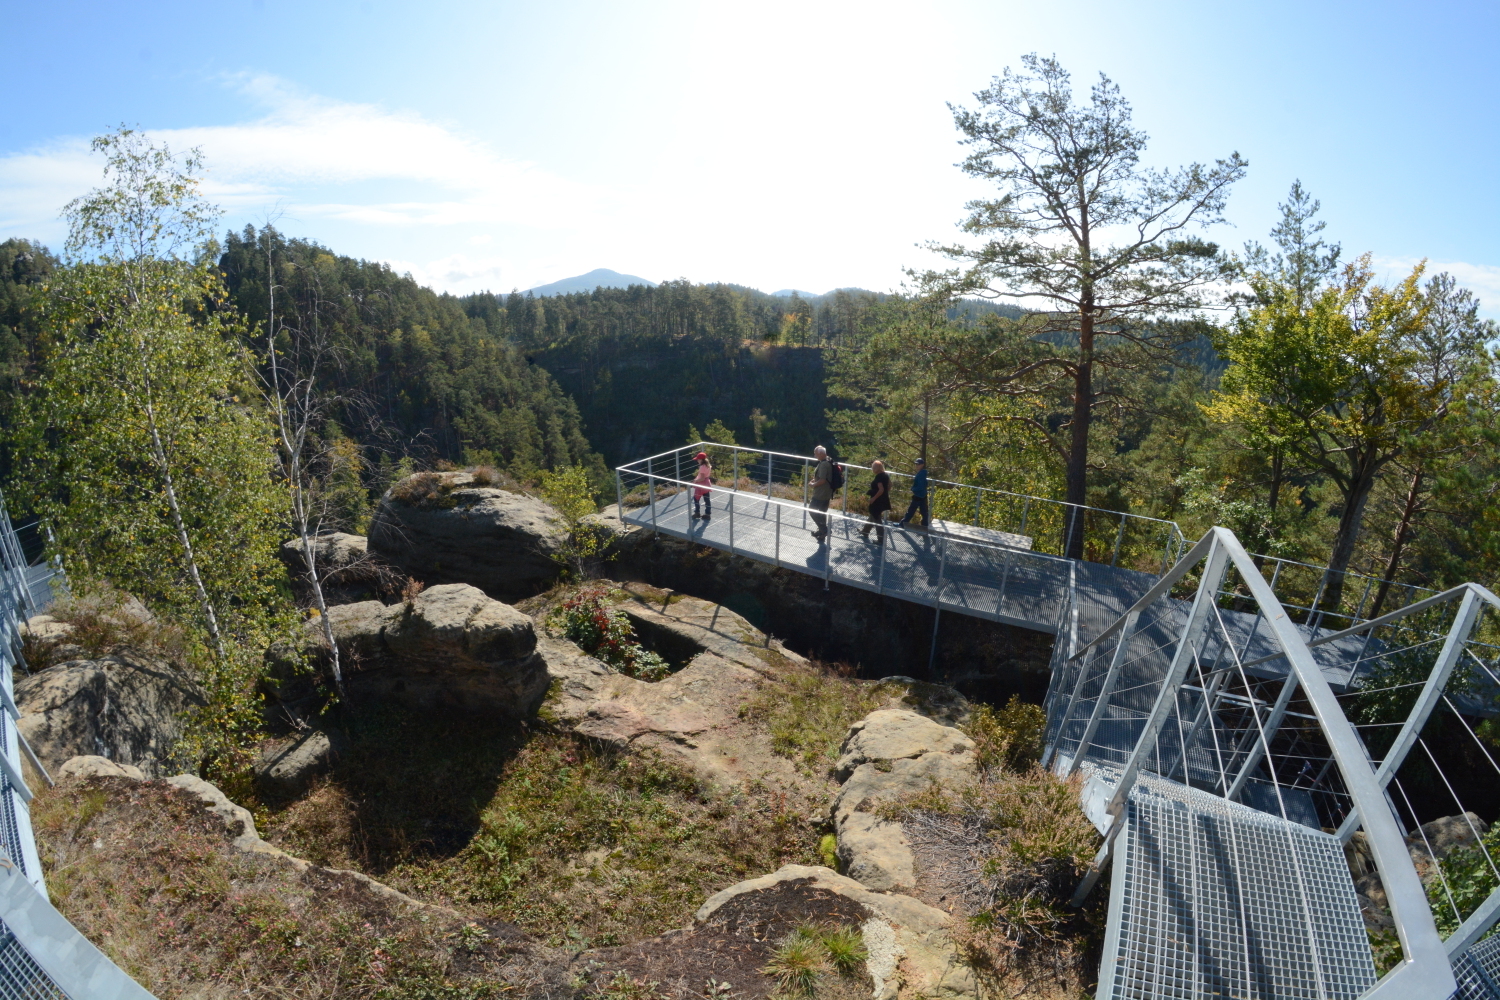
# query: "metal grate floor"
{"type": "Point", "coordinates": [1478, 971]}
{"type": "Point", "coordinates": [1210, 898]}
{"type": "Point", "coordinates": [20, 977]}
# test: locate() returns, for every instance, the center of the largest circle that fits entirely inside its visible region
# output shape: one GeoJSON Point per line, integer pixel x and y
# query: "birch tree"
{"type": "Point", "coordinates": [142, 445]}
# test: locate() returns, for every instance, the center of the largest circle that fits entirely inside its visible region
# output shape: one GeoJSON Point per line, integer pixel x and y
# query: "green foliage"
{"type": "Point", "coordinates": [604, 632]}
{"type": "Point", "coordinates": [415, 377]}
{"type": "Point", "coordinates": [570, 492]}
{"type": "Point", "coordinates": [1010, 738]}
{"type": "Point", "coordinates": [644, 363]}
{"type": "Point", "coordinates": [800, 959]}
{"type": "Point", "coordinates": [828, 849]}
{"type": "Point", "coordinates": [796, 963]}
{"type": "Point", "coordinates": [1468, 878]}
{"type": "Point", "coordinates": [845, 947]}
{"type": "Point", "coordinates": [142, 446]}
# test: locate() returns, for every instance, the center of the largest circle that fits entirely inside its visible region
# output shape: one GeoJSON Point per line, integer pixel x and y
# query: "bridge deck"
{"type": "Point", "coordinates": [962, 568]}
{"type": "Point", "coordinates": [956, 567]}
{"type": "Point", "coordinates": [1210, 898]}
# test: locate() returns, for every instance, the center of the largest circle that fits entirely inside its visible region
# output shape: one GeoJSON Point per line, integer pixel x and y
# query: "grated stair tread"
{"type": "Point", "coordinates": [1211, 898]}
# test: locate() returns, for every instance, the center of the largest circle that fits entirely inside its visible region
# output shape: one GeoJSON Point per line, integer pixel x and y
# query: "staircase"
{"type": "Point", "coordinates": [1211, 898]}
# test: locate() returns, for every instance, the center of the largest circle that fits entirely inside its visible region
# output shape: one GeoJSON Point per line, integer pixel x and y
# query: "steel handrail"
{"type": "Point", "coordinates": [1425, 971]}
{"type": "Point", "coordinates": [704, 445]}
{"type": "Point", "coordinates": [947, 536]}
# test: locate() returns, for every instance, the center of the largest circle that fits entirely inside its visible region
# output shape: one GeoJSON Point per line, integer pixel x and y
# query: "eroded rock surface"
{"type": "Point", "coordinates": [892, 735]}
{"type": "Point", "coordinates": [891, 756]}
{"type": "Point", "coordinates": [911, 950]}
{"type": "Point", "coordinates": [289, 766]}
{"type": "Point", "coordinates": [452, 646]}
{"type": "Point", "coordinates": [124, 707]}
{"type": "Point", "coordinates": [692, 715]}
{"type": "Point", "coordinates": [445, 528]}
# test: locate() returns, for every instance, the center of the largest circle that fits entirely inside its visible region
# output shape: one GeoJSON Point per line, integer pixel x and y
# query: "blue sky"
{"type": "Point", "coordinates": [500, 145]}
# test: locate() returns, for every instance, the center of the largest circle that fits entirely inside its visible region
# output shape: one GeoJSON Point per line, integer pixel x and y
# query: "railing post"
{"type": "Point", "coordinates": [937, 601]}
{"type": "Point", "coordinates": [1106, 691]}
{"type": "Point", "coordinates": [736, 484]}
{"type": "Point", "coordinates": [770, 474]}
{"type": "Point", "coordinates": [651, 488]}
{"type": "Point", "coordinates": [977, 497]}
{"type": "Point", "coordinates": [778, 534]}
{"type": "Point", "coordinates": [846, 490]}
{"type": "Point", "coordinates": [1315, 613]}
{"type": "Point", "coordinates": [619, 497]}
{"type": "Point", "coordinates": [1119, 537]}
{"type": "Point", "coordinates": [729, 499]}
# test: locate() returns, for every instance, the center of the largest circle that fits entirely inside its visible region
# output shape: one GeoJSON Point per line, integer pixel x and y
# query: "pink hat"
{"type": "Point", "coordinates": [702, 456]}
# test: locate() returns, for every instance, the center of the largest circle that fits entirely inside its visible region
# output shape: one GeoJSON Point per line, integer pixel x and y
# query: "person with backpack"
{"type": "Point", "coordinates": [918, 497]}
{"type": "Point", "coordinates": [703, 479]}
{"type": "Point", "coordinates": [823, 485]}
{"type": "Point", "coordinates": [880, 502]}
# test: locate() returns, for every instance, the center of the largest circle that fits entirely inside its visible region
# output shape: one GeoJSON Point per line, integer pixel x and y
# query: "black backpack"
{"type": "Point", "coordinates": [836, 479]}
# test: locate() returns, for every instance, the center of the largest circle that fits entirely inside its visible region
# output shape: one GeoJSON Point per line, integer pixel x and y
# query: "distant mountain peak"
{"type": "Point", "coordinates": [599, 277]}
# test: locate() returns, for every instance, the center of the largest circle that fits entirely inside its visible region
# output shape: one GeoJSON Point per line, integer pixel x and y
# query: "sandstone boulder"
{"type": "Point", "coordinates": [288, 767]}
{"type": "Point", "coordinates": [332, 552]}
{"type": "Point", "coordinates": [910, 945]}
{"type": "Point", "coordinates": [124, 707]}
{"type": "Point", "coordinates": [348, 570]}
{"type": "Point", "coordinates": [444, 528]}
{"type": "Point", "coordinates": [452, 646]}
{"type": "Point", "coordinates": [93, 766]}
{"type": "Point", "coordinates": [892, 756]}
{"type": "Point", "coordinates": [890, 735]}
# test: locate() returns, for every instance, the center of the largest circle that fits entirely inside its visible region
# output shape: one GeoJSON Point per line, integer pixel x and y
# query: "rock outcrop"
{"type": "Point", "coordinates": [987, 661]}
{"type": "Point", "coordinates": [452, 646]}
{"type": "Point", "coordinates": [911, 950]}
{"type": "Point", "coordinates": [446, 528]}
{"type": "Point", "coordinates": [348, 570]}
{"type": "Point", "coordinates": [287, 767]}
{"type": "Point", "coordinates": [693, 714]}
{"type": "Point", "coordinates": [892, 735]}
{"type": "Point", "coordinates": [888, 757]}
{"type": "Point", "coordinates": [125, 707]}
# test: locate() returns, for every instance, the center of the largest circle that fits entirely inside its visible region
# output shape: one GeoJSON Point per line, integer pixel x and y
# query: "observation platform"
{"type": "Point", "coordinates": [968, 569]}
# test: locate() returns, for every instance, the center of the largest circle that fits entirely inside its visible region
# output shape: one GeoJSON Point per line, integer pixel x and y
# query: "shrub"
{"type": "Point", "coordinates": [1011, 738]}
{"type": "Point", "coordinates": [604, 632]}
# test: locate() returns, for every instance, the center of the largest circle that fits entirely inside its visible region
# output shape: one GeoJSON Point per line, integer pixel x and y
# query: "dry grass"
{"type": "Point", "coordinates": [1007, 854]}
{"type": "Point", "coordinates": [103, 621]}
{"type": "Point", "coordinates": [807, 710]}
{"type": "Point", "coordinates": [146, 873]}
{"type": "Point", "coordinates": [571, 842]}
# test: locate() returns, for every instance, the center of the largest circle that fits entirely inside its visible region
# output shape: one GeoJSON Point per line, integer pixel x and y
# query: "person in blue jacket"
{"type": "Point", "coordinates": [918, 497]}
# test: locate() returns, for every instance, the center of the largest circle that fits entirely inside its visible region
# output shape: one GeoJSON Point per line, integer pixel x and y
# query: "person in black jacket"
{"type": "Point", "coordinates": [880, 502]}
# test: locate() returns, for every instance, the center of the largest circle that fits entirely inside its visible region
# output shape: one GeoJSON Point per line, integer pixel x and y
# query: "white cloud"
{"type": "Point", "coordinates": [307, 145]}
{"type": "Point", "coordinates": [1481, 279]}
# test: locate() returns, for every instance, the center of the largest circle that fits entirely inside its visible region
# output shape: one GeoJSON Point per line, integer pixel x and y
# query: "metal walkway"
{"type": "Point", "coordinates": [966, 568]}
{"type": "Point", "coordinates": [1211, 898]}
{"type": "Point", "coordinates": [1216, 756]}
